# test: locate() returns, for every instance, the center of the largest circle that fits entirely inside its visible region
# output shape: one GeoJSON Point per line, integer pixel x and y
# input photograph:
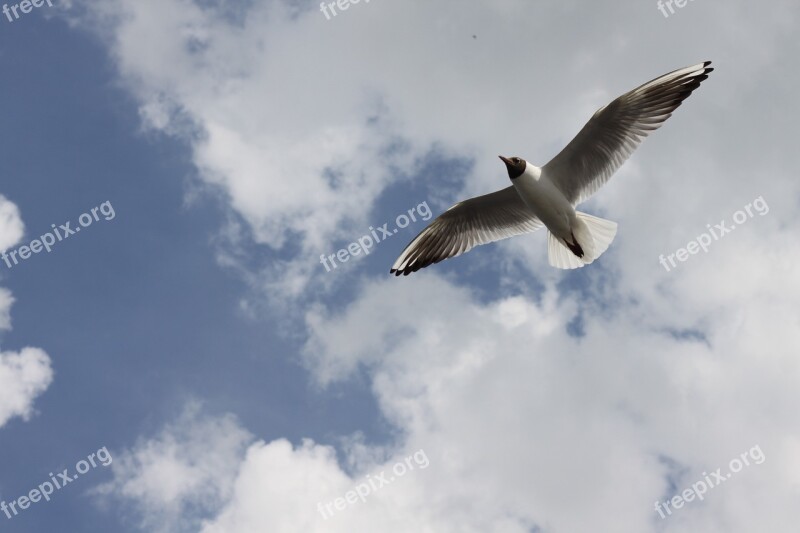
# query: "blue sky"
{"type": "Point", "coordinates": [236, 383]}
{"type": "Point", "coordinates": [135, 312]}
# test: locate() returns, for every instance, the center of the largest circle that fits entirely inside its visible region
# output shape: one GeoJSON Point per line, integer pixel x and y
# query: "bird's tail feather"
{"type": "Point", "coordinates": [592, 235]}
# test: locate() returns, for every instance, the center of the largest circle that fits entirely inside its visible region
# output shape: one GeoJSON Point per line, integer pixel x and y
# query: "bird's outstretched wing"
{"type": "Point", "coordinates": [615, 131]}
{"type": "Point", "coordinates": [467, 224]}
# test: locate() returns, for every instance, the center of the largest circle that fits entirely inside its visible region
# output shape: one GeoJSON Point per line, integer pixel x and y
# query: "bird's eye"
{"type": "Point", "coordinates": [516, 160]}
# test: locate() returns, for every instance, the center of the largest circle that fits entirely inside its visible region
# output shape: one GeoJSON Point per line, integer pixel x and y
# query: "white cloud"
{"type": "Point", "coordinates": [521, 420]}
{"type": "Point", "coordinates": [6, 301]}
{"type": "Point", "coordinates": [184, 471]}
{"type": "Point", "coordinates": [26, 374]}
{"type": "Point", "coordinates": [526, 426]}
{"type": "Point", "coordinates": [11, 227]}
{"type": "Point", "coordinates": [11, 231]}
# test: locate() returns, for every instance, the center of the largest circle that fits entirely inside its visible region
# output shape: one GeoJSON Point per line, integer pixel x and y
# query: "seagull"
{"type": "Point", "coordinates": [547, 196]}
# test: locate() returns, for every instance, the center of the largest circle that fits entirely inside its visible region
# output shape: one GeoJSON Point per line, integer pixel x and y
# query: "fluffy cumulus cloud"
{"type": "Point", "coordinates": [11, 226]}
{"type": "Point", "coordinates": [25, 374]}
{"type": "Point", "coordinates": [525, 426]}
{"type": "Point", "coordinates": [6, 300]}
{"type": "Point", "coordinates": [11, 231]}
{"type": "Point", "coordinates": [587, 432]}
{"type": "Point", "coordinates": [663, 377]}
{"type": "Point", "coordinates": [178, 475]}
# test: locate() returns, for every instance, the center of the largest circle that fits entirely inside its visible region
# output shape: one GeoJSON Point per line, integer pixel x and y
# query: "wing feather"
{"type": "Point", "coordinates": [480, 220]}
{"type": "Point", "coordinates": [616, 130]}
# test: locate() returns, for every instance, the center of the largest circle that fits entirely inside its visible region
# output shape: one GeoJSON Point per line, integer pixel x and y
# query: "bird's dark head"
{"type": "Point", "coordinates": [515, 166]}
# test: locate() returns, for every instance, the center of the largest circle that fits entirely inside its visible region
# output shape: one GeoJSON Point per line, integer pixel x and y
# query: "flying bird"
{"type": "Point", "coordinates": [547, 196]}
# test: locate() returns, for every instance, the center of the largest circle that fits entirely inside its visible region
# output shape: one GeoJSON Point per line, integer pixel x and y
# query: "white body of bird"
{"type": "Point", "coordinates": [581, 237]}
